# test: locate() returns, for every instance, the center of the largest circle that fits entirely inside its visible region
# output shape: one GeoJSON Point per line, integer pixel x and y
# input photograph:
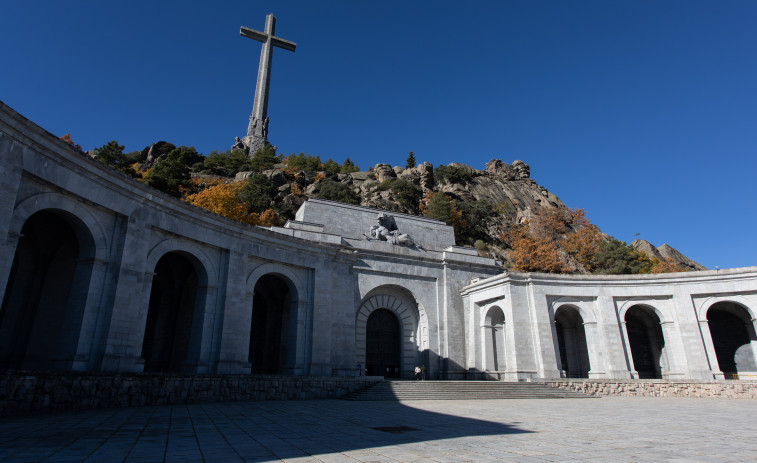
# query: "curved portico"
{"type": "Point", "coordinates": [667, 326]}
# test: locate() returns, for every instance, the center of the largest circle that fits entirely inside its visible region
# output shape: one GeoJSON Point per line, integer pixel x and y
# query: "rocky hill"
{"type": "Point", "coordinates": [504, 192]}
{"type": "Point", "coordinates": [666, 252]}
{"type": "Point", "coordinates": [499, 210]}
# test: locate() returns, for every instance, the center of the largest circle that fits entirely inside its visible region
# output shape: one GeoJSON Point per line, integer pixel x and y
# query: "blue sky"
{"type": "Point", "coordinates": [643, 113]}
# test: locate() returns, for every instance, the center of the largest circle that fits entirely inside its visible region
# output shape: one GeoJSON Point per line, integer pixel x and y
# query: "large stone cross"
{"type": "Point", "coordinates": [257, 130]}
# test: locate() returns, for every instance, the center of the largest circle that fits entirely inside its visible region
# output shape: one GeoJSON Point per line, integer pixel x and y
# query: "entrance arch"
{"type": "Point", "coordinates": [273, 330]}
{"type": "Point", "coordinates": [176, 305]}
{"type": "Point", "coordinates": [494, 340]}
{"type": "Point", "coordinates": [382, 344]}
{"type": "Point", "coordinates": [45, 299]}
{"type": "Point", "coordinates": [413, 329]}
{"type": "Point", "coordinates": [646, 341]}
{"type": "Point", "coordinates": [573, 358]}
{"type": "Point", "coordinates": [733, 337]}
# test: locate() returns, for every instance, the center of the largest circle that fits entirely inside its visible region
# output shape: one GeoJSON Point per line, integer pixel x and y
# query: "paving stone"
{"type": "Point", "coordinates": [588, 430]}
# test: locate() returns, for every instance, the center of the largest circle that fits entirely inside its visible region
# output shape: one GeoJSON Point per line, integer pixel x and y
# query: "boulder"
{"type": "Point", "coordinates": [426, 172]}
{"type": "Point", "coordinates": [521, 170]}
{"type": "Point", "coordinates": [384, 172]}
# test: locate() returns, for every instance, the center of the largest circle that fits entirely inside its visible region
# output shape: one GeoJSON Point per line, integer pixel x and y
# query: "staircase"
{"type": "Point", "coordinates": [460, 390]}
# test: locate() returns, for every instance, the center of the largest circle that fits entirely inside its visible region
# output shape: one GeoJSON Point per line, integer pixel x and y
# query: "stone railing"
{"type": "Point", "coordinates": [661, 388]}
{"type": "Point", "coordinates": [26, 393]}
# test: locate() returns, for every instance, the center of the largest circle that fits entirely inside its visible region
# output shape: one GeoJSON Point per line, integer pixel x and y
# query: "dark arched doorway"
{"type": "Point", "coordinates": [273, 332]}
{"type": "Point", "coordinates": [43, 306]}
{"type": "Point", "coordinates": [571, 341]}
{"type": "Point", "coordinates": [382, 344]}
{"type": "Point", "coordinates": [494, 340]}
{"type": "Point", "coordinates": [732, 334]}
{"type": "Point", "coordinates": [173, 305]}
{"type": "Point", "coordinates": [646, 341]}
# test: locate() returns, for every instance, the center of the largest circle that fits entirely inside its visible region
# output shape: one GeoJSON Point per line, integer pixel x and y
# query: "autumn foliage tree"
{"type": "Point", "coordinates": [224, 199]}
{"type": "Point", "coordinates": [552, 240]}
{"type": "Point", "coordinates": [67, 139]}
{"type": "Point", "coordinates": [532, 253]}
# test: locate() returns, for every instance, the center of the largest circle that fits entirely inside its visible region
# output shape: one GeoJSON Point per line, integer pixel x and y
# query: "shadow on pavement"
{"type": "Point", "coordinates": [233, 431]}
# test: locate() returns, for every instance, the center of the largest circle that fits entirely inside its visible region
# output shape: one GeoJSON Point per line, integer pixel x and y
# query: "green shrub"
{"type": "Point", "coordinates": [336, 191]}
{"type": "Point", "coordinates": [451, 174]}
{"type": "Point", "coordinates": [259, 193]}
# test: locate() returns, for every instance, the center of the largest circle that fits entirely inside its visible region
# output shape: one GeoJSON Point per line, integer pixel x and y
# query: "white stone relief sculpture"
{"type": "Point", "coordinates": [386, 229]}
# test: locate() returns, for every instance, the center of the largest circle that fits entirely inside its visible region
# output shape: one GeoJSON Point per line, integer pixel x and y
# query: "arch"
{"type": "Point", "coordinates": [194, 252]}
{"type": "Point", "coordinates": [646, 341]}
{"type": "Point", "coordinates": [493, 337]}
{"type": "Point", "coordinates": [289, 275]}
{"type": "Point", "coordinates": [584, 306]}
{"type": "Point", "coordinates": [383, 344]}
{"type": "Point", "coordinates": [739, 300]}
{"type": "Point", "coordinates": [572, 350]}
{"type": "Point", "coordinates": [45, 302]}
{"type": "Point", "coordinates": [176, 312]}
{"type": "Point", "coordinates": [273, 328]}
{"type": "Point", "coordinates": [647, 304]}
{"type": "Point", "coordinates": [85, 223]}
{"type": "Point", "coordinates": [413, 326]}
{"type": "Point", "coordinates": [732, 330]}
{"type": "Point", "coordinates": [298, 332]}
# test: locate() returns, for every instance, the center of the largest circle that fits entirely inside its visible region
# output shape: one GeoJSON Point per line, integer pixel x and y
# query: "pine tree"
{"type": "Point", "coordinates": [410, 162]}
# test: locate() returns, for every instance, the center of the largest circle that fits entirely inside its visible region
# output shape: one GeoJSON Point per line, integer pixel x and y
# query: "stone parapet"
{"type": "Point", "coordinates": [661, 388]}
{"type": "Point", "coordinates": [27, 394]}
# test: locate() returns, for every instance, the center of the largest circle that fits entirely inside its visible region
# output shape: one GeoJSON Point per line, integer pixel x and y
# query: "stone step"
{"type": "Point", "coordinates": [460, 390]}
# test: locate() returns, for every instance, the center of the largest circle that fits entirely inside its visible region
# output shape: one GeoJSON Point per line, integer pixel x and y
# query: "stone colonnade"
{"type": "Point", "coordinates": [101, 273]}
{"type": "Point", "coordinates": [698, 325]}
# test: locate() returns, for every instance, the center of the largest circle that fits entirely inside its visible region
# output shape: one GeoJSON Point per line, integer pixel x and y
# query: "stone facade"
{"type": "Point", "coordinates": [551, 326]}
{"type": "Point", "coordinates": [100, 273]}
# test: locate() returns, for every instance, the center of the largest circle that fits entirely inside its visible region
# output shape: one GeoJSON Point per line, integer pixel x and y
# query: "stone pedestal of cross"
{"type": "Point", "coordinates": [257, 130]}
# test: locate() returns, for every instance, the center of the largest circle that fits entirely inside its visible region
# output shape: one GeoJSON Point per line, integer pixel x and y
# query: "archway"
{"type": "Point", "coordinates": [571, 341]}
{"type": "Point", "coordinates": [732, 334]}
{"type": "Point", "coordinates": [646, 341]}
{"type": "Point", "coordinates": [273, 333]}
{"type": "Point", "coordinates": [494, 340]}
{"type": "Point", "coordinates": [175, 300]}
{"type": "Point", "coordinates": [44, 301]}
{"type": "Point", "coordinates": [382, 345]}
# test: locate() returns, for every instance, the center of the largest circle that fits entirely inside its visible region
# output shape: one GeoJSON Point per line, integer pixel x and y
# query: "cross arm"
{"type": "Point", "coordinates": [285, 44]}
{"type": "Point", "coordinates": [262, 37]}
{"type": "Point", "coordinates": [252, 34]}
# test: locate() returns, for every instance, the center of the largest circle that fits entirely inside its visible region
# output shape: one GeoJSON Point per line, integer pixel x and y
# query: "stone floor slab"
{"type": "Point", "coordinates": [578, 430]}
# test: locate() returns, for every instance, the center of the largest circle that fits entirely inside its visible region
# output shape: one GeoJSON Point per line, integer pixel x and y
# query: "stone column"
{"type": "Point", "coordinates": [126, 330]}
{"type": "Point", "coordinates": [11, 168]}
{"type": "Point", "coordinates": [613, 334]}
{"type": "Point", "coordinates": [76, 338]}
{"type": "Point", "coordinates": [234, 345]}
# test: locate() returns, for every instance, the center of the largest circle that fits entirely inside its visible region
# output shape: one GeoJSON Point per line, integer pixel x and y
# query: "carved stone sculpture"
{"type": "Point", "coordinates": [386, 229]}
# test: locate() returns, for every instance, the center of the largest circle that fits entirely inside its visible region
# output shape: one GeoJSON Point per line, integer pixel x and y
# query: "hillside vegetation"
{"type": "Point", "coordinates": [500, 210]}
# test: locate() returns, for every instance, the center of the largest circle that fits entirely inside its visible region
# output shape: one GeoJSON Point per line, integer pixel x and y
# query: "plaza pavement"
{"type": "Point", "coordinates": [535, 430]}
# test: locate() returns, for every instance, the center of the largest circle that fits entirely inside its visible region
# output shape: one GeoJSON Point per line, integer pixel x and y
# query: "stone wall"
{"type": "Point", "coordinates": [351, 221]}
{"type": "Point", "coordinates": [26, 394]}
{"type": "Point", "coordinates": [660, 388]}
